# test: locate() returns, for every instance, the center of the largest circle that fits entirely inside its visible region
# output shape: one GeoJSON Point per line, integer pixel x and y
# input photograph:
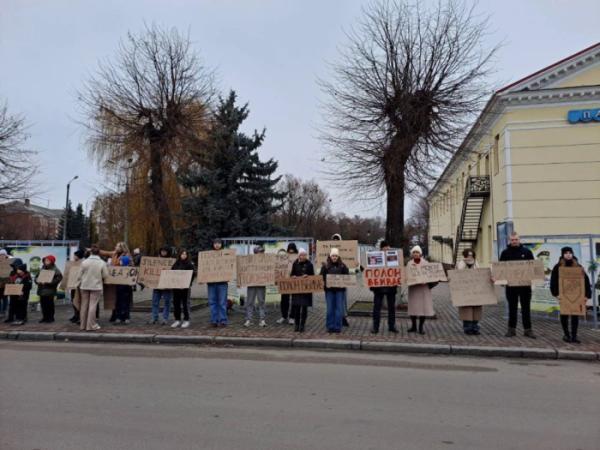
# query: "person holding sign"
{"type": "Point", "coordinates": [3, 279]}
{"type": "Point", "coordinates": [217, 296]}
{"type": "Point", "coordinates": [18, 303]}
{"type": "Point", "coordinates": [124, 294]}
{"type": "Point", "coordinates": [47, 291]}
{"type": "Point", "coordinates": [420, 301]}
{"type": "Point", "coordinates": [470, 315]}
{"type": "Point", "coordinates": [287, 314]}
{"type": "Point", "coordinates": [568, 259]}
{"type": "Point", "coordinates": [90, 282]}
{"type": "Point", "coordinates": [165, 294]}
{"type": "Point", "coordinates": [390, 294]}
{"type": "Point", "coordinates": [256, 294]}
{"type": "Point", "coordinates": [11, 308]}
{"type": "Point", "coordinates": [515, 294]}
{"type": "Point", "coordinates": [181, 296]}
{"type": "Point", "coordinates": [302, 267]}
{"type": "Point", "coordinates": [334, 296]}
{"type": "Point", "coordinates": [77, 256]}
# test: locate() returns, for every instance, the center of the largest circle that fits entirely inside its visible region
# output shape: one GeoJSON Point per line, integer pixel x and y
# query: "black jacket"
{"type": "Point", "coordinates": [554, 278]}
{"type": "Point", "coordinates": [184, 265]}
{"type": "Point", "coordinates": [338, 268]}
{"type": "Point", "coordinates": [25, 280]}
{"type": "Point", "coordinates": [299, 269]}
{"type": "Point", "coordinates": [519, 253]}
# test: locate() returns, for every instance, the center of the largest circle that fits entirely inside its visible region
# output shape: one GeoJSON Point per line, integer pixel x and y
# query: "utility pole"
{"type": "Point", "coordinates": [64, 236]}
{"type": "Point", "coordinates": [126, 233]}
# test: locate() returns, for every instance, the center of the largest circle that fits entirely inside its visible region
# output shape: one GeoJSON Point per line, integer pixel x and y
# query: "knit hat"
{"type": "Point", "coordinates": [336, 237]}
{"type": "Point", "coordinates": [79, 253]}
{"type": "Point", "coordinates": [16, 263]}
{"type": "Point", "coordinates": [50, 258]}
{"type": "Point", "coordinates": [302, 250]}
{"type": "Point", "coordinates": [416, 248]}
{"type": "Point", "coordinates": [566, 250]}
{"type": "Point", "coordinates": [334, 252]}
{"type": "Point", "coordinates": [22, 267]}
{"type": "Point", "coordinates": [3, 252]}
{"type": "Point", "coordinates": [258, 249]}
{"type": "Point", "coordinates": [292, 247]}
{"type": "Point", "coordinates": [383, 243]}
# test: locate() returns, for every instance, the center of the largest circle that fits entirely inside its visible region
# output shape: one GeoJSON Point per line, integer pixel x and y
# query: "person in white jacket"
{"type": "Point", "coordinates": [90, 282]}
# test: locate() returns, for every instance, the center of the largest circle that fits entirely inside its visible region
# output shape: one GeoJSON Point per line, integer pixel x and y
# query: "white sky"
{"type": "Point", "coordinates": [269, 51]}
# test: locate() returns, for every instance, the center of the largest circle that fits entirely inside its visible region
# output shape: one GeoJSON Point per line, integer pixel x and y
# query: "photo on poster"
{"type": "Point", "coordinates": [376, 259]}
{"type": "Point", "coordinates": [392, 258]}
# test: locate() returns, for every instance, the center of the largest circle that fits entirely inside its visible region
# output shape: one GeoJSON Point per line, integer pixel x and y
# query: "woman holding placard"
{"type": "Point", "coordinates": [18, 303]}
{"type": "Point", "coordinates": [287, 314]}
{"type": "Point", "coordinates": [302, 267]}
{"type": "Point", "coordinates": [568, 259]}
{"type": "Point", "coordinates": [47, 291]}
{"type": "Point", "coordinates": [334, 296]}
{"type": "Point", "coordinates": [470, 315]}
{"type": "Point", "coordinates": [181, 297]}
{"type": "Point", "coordinates": [420, 301]}
{"type": "Point", "coordinates": [217, 296]}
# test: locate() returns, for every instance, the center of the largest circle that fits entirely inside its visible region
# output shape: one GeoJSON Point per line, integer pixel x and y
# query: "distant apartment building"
{"type": "Point", "coordinates": [21, 220]}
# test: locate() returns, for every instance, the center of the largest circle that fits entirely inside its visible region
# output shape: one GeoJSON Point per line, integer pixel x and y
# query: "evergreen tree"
{"type": "Point", "coordinates": [77, 225]}
{"type": "Point", "coordinates": [231, 191]}
{"type": "Point", "coordinates": [61, 222]}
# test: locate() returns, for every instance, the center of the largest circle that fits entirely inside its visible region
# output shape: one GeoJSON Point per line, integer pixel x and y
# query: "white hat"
{"type": "Point", "coordinates": [416, 248]}
{"type": "Point", "coordinates": [334, 252]}
{"type": "Point", "coordinates": [302, 250]}
{"type": "Point", "coordinates": [336, 237]}
{"type": "Point", "coordinates": [3, 252]}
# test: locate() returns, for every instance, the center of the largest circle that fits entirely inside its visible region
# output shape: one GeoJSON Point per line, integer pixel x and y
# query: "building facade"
{"type": "Point", "coordinates": [20, 220]}
{"type": "Point", "coordinates": [531, 163]}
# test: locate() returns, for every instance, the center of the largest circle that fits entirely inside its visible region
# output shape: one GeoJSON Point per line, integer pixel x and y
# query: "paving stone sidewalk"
{"type": "Point", "coordinates": [445, 330]}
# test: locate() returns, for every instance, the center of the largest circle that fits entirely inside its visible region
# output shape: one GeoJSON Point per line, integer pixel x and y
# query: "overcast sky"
{"type": "Point", "coordinates": [270, 52]}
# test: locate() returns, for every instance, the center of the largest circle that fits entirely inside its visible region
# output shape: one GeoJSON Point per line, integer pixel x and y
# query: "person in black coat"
{"type": "Point", "coordinates": [389, 292]}
{"type": "Point", "coordinates": [181, 297]}
{"type": "Point", "coordinates": [287, 313]}
{"type": "Point", "coordinates": [302, 267]}
{"type": "Point", "coordinates": [518, 294]}
{"type": "Point", "coordinates": [568, 259]}
{"type": "Point", "coordinates": [18, 303]}
{"type": "Point", "coordinates": [334, 297]}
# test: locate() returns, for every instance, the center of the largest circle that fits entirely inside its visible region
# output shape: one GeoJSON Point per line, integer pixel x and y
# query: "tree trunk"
{"type": "Point", "coordinates": [394, 223]}
{"type": "Point", "coordinates": [159, 198]}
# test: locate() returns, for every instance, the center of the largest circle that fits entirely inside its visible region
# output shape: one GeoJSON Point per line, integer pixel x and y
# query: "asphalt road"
{"type": "Point", "coordinates": [100, 396]}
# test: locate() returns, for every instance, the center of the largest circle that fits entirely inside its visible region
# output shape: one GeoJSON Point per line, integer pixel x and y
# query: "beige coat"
{"type": "Point", "coordinates": [93, 273]}
{"type": "Point", "coordinates": [420, 302]}
{"type": "Point", "coordinates": [469, 312]}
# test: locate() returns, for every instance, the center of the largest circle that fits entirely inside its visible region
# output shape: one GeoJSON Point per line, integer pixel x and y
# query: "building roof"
{"type": "Point", "coordinates": [17, 206]}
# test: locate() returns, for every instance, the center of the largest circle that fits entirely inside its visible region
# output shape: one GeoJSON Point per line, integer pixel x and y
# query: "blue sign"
{"type": "Point", "coordinates": [584, 115]}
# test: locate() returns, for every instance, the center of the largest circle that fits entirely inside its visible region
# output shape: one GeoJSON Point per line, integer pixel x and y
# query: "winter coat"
{"type": "Point", "coordinates": [25, 280]}
{"type": "Point", "coordinates": [92, 274]}
{"type": "Point", "coordinates": [300, 269]}
{"type": "Point", "coordinates": [184, 265]}
{"type": "Point", "coordinates": [332, 268]}
{"type": "Point", "coordinates": [49, 289]}
{"type": "Point", "coordinates": [420, 301]}
{"type": "Point", "coordinates": [554, 278]}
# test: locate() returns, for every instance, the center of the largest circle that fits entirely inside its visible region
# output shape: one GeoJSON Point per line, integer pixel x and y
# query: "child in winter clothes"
{"type": "Point", "coordinates": [18, 303]}
{"type": "Point", "coordinates": [47, 291]}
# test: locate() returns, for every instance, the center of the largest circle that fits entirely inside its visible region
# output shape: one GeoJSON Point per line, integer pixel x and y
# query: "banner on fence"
{"type": "Point", "coordinates": [216, 266]}
{"type": "Point", "coordinates": [571, 291]}
{"type": "Point", "coordinates": [13, 289]}
{"type": "Point", "coordinates": [150, 269]}
{"type": "Point", "coordinates": [472, 287]}
{"type": "Point", "coordinates": [175, 279]}
{"type": "Point", "coordinates": [301, 285]}
{"type": "Point", "coordinates": [423, 273]}
{"type": "Point", "coordinates": [122, 275]}
{"type": "Point", "coordinates": [259, 269]}
{"type": "Point", "coordinates": [348, 252]}
{"type": "Point", "coordinates": [518, 273]}
{"type": "Point", "coordinates": [341, 281]}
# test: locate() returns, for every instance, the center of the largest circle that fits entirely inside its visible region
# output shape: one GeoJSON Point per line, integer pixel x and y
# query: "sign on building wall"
{"type": "Point", "coordinates": [584, 115]}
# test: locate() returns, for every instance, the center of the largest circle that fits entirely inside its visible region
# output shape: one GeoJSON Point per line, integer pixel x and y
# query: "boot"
{"type": "Point", "coordinates": [567, 337]}
{"type": "Point", "coordinates": [297, 326]}
{"type": "Point", "coordinates": [302, 323]}
{"type": "Point", "coordinates": [512, 332]}
{"type": "Point", "coordinates": [574, 339]}
{"type": "Point", "coordinates": [529, 333]}
{"type": "Point", "coordinates": [345, 322]}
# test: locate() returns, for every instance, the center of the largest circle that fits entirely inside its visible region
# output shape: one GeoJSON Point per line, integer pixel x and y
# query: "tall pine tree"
{"type": "Point", "coordinates": [231, 191]}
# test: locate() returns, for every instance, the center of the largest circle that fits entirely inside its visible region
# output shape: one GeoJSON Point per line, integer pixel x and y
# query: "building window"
{"type": "Point", "coordinates": [487, 165]}
{"type": "Point", "coordinates": [495, 152]}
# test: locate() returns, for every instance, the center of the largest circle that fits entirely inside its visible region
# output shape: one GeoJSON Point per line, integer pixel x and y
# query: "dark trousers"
{"type": "Point", "coordinates": [391, 305]}
{"type": "Point", "coordinates": [47, 302]}
{"type": "Point", "coordinates": [21, 308]}
{"type": "Point", "coordinates": [300, 314]}
{"type": "Point", "coordinates": [514, 295]}
{"type": "Point", "coordinates": [286, 312]}
{"type": "Point", "coordinates": [180, 302]}
{"type": "Point", "coordinates": [123, 303]}
{"type": "Point", "coordinates": [564, 321]}
{"type": "Point", "coordinates": [75, 317]}
{"type": "Point", "coordinates": [12, 309]}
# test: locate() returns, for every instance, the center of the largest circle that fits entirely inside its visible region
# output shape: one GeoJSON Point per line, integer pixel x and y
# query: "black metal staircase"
{"type": "Point", "coordinates": [476, 192]}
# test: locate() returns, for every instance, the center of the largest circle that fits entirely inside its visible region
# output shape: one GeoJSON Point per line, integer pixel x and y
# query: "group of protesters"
{"type": "Point", "coordinates": [293, 307]}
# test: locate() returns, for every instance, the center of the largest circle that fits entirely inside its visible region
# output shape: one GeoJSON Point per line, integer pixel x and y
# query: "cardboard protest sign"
{"type": "Point", "coordinates": [301, 285]}
{"type": "Point", "coordinates": [424, 273]}
{"type": "Point", "coordinates": [124, 275]}
{"type": "Point", "coordinates": [175, 279]}
{"type": "Point", "coordinates": [258, 270]}
{"type": "Point", "coordinates": [518, 273]}
{"type": "Point", "coordinates": [72, 282]}
{"type": "Point", "coordinates": [472, 287]}
{"type": "Point", "coordinates": [341, 281]}
{"type": "Point", "coordinates": [378, 273]}
{"type": "Point", "coordinates": [13, 289]}
{"type": "Point", "coordinates": [283, 265]}
{"type": "Point", "coordinates": [67, 273]}
{"type": "Point", "coordinates": [109, 297]}
{"type": "Point", "coordinates": [5, 268]}
{"type": "Point", "coordinates": [216, 266]}
{"type": "Point", "coordinates": [348, 252]}
{"type": "Point", "coordinates": [571, 291]}
{"type": "Point", "coordinates": [150, 268]}
{"type": "Point", "coordinates": [45, 276]}
{"type": "Point", "coordinates": [376, 258]}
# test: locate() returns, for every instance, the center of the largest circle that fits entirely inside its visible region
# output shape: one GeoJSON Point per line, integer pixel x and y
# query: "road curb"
{"type": "Point", "coordinates": [578, 355]}
{"type": "Point", "coordinates": [404, 347]}
{"type": "Point", "coordinates": [178, 339]}
{"type": "Point", "coordinates": [253, 341]}
{"type": "Point", "coordinates": [330, 344]}
{"type": "Point", "coordinates": [127, 338]}
{"type": "Point", "coordinates": [480, 350]}
{"type": "Point", "coordinates": [35, 335]}
{"type": "Point", "coordinates": [77, 336]}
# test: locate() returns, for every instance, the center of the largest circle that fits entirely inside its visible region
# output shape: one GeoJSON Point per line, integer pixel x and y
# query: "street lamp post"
{"type": "Point", "coordinates": [67, 208]}
{"type": "Point", "coordinates": [126, 233]}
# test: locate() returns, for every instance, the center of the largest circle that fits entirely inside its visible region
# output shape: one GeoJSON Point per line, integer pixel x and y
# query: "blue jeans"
{"type": "Point", "coordinates": [335, 310]}
{"type": "Point", "coordinates": [157, 294]}
{"type": "Point", "coordinates": [217, 302]}
{"type": "Point", "coordinates": [3, 304]}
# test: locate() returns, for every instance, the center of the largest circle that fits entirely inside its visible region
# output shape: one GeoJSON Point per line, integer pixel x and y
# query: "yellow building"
{"type": "Point", "coordinates": [530, 163]}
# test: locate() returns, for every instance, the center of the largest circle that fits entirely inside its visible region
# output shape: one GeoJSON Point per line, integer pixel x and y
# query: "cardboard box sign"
{"type": "Point", "coordinates": [341, 281]}
{"type": "Point", "coordinates": [124, 275]}
{"type": "Point", "coordinates": [348, 252]}
{"type": "Point", "coordinates": [259, 270]}
{"type": "Point", "coordinates": [66, 274]}
{"type": "Point", "coordinates": [283, 265]}
{"type": "Point", "coordinates": [518, 273]}
{"type": "Point", "coordinates": [472, 287]}
{"type": "Point", "coordinates": [45, 276]}
{"type": "Point", "coordinates": [175, 279]}
{"type": "Point", "coordinates": [571, 291]}
{"type": "Point", "coordinates": [109, 297]}
{"type": "Point", "coordinates": [301, 285]}
{"type": "Point", "coordinates": [424, 273]}
{"type": "Point", "coordinates": [72, 282]}
{"type": "Point", "coordinates": [5, 268]}
{"type": "Point", "coordinates": [216, 266]}
{"type": "Point", "coordinates": [382, 276]}
{"type": "Point", "coordinates": [150, 268]}
{"type": "Point", "coordinates": [13, 289]}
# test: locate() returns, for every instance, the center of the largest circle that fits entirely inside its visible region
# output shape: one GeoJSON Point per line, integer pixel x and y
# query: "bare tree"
{"type": "Point", "coordinates": [17, 163]}
{"type": "Point", "coordinates": [151, 105]}
{"type": "Point", "coordinates": [402, 95]}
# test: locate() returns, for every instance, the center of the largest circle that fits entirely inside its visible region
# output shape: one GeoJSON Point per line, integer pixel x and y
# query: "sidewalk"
{"type": "Point", "coordinates": [443, 335]}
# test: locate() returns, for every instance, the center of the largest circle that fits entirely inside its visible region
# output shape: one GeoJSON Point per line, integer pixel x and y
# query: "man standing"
{"type": "Point", "coordinates": [515, 294]}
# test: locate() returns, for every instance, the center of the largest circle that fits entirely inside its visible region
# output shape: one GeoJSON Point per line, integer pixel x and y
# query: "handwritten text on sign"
{"type": "Point", "coordinates": [67, 273]}
{"type": "Point", "coordinates": [518, 273]}
{"type": "Point", "coordinates": [571, 291]}
{"type": "Point", "coordinates": [216, 266]}
{"type": "Point", "coordinates": [122, 275]}
{"type": "Point", "coordinates": [472, 287]}
{"type": "Point", "coordinates": [383, 276]}
{"type": "Point", "coordinates": [13, 289]}
{"type": "Point", "coordinates": [45, 276]}
{"type": "Point", "coordinates": [257, 270]}
{"type": "Point", "coordinates": [424, 273]}
{"type": "Point", "coordinates": [5, 268]}
{"type": "Point", "coordinates": [341, 281]}
{"type": "Point", "coordinates": [150, 268]}
{"type": "Point", "coordinates": [301, 285]}
{"type": "Point", "coordinates": [283, 265]}
{"type": "Point", "coordinates": [73, 281]}
{"type": "Point", "coordinates": [175, 279]}
{"type": "Point", "coordinates": [348, 252]}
